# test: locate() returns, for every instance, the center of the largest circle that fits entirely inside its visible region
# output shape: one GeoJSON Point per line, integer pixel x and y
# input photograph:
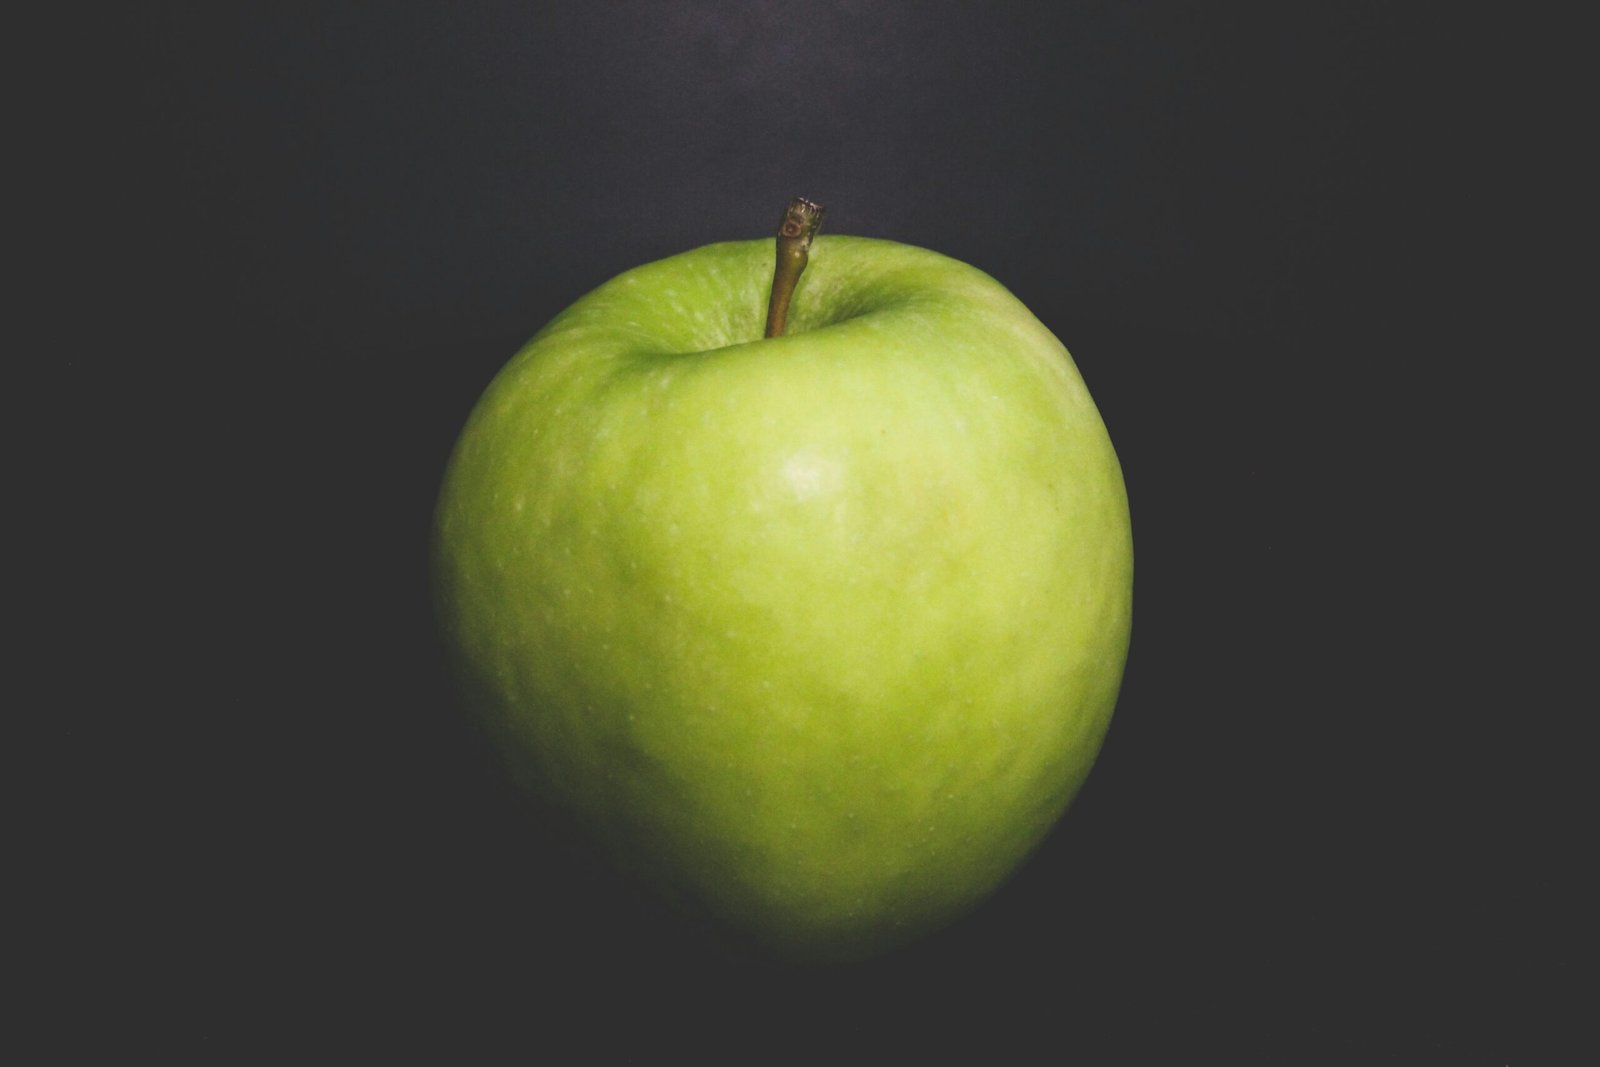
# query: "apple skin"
{"type": "Point", "coordinates": [818, 634]}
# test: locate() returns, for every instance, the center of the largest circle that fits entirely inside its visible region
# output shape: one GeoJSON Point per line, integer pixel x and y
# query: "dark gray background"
{"type": "Point", "coordinates": [1299, 254]}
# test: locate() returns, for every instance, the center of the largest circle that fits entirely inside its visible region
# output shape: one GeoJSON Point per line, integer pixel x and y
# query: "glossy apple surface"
{"type": "Point", "coordinates": [819, 634]}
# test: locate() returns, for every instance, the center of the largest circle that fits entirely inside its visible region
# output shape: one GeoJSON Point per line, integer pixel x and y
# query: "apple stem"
{"type": "Point", "coordinates": [801, 220]}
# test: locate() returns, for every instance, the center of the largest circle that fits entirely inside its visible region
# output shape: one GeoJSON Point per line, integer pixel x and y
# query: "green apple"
{"type": "Point", "coordinates": [817, 633]}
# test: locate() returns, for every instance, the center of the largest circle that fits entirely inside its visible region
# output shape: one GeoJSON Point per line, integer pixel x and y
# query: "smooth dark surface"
{"type": "Point", "coordinates": [1338, 818]}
